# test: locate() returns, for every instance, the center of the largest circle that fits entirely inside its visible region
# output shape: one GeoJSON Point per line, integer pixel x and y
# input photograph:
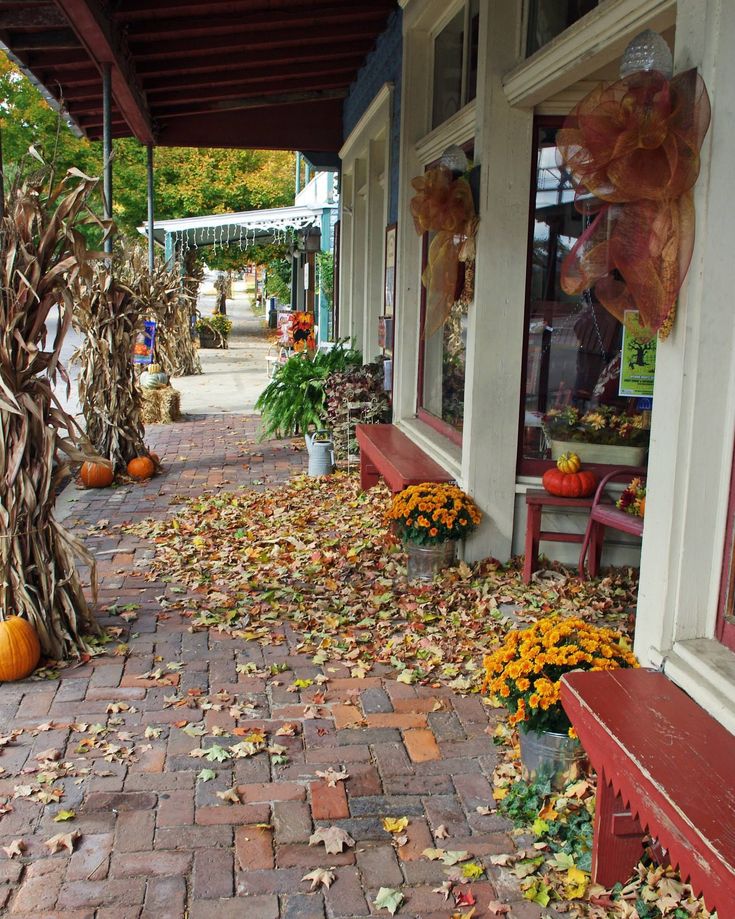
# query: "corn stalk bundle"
{"type": "Point", "coordinates": [110, 315]}
{"type": "Point", "coordinates": [42, 252]}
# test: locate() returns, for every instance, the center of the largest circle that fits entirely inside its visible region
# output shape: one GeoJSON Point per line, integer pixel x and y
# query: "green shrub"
{"type": "Point", "coordinates": [218, 324]}
{"type": "Point", "coordinates": [294, 400]}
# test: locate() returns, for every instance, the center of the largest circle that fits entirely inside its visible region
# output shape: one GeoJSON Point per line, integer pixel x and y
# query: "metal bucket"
{"type": "Point", "coordinates": [424, 562]}
{"type": "Point", "coordinates": [321, 453]}
{"type": "Point", "coordinates": [547, 755]}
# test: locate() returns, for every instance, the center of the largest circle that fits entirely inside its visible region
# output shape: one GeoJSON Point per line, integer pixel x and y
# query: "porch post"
{"type": "Point", "coordinates": [151, 250]}
{"type": "Point", "coordinates": [107, 146]}
{"type": "Point", "coordinates": [2, 181]}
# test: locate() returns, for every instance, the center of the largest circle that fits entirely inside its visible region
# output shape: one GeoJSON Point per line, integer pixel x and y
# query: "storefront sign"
{"type": "Point", "coordinates": [144, 344]}
{"type": "Point", "coordinates": [638, 359]}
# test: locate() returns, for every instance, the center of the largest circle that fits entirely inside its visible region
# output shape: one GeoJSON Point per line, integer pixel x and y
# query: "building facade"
{"type": "Point", "coordinates": [497, 78]}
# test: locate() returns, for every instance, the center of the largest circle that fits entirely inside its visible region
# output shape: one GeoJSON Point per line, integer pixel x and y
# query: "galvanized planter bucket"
{"type": "Point", "coordinates": [424, 562]}
{"type": "Point", "coordinates": [547, 755]}
{"type": "Point", "coordinates": [321, 453]}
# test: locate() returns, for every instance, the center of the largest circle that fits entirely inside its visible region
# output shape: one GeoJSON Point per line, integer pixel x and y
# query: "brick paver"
{"type": "Point", "coordinates": [156, 840]}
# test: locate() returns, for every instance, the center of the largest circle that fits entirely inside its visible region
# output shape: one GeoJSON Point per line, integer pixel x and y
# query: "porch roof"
{"type": "Point", "coordinates": [214, 73]}
{"type": "Point", "coordinates": [248, 226]}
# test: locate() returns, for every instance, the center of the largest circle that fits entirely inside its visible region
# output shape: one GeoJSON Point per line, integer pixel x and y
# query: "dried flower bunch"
{"type": "Point", "coordinates": [524, 673]}
{"type": "Point", "coordinates": [633, 499]}
{"type": "Point", "coordinates": [432, 513]}
{"type": "Point", "coordinates": [601, 425]}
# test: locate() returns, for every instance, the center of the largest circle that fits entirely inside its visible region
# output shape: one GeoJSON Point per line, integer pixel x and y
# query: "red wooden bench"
{"type": "Point", "coordinates": [665, 767]}
{"type": "Point", "coordinates": [604, 514]}
{"type": "Point", "coordinates": [537, 500]}
{"type": "Point", "coordinates": [385, 451]}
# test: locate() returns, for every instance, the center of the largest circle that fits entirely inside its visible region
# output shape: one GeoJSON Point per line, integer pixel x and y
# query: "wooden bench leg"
{"type": "Point", "coordinates": [533, 530]}
{"type": "Point", "coordinates": [618, 842]}
{"type": "Point", "coordinates": [597, 537]}
{"type": "Point", "coordinates": [369, 475]}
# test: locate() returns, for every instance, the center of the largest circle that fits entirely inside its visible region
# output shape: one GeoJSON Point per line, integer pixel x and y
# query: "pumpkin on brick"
{"type": "Point", "coordinates": [20, 649]}
{"type": "Point", "coordinates": [568, 479]}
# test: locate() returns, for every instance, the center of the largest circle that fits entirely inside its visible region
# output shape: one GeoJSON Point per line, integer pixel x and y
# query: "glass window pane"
{"type": "Point", "coordinates": [444, 369]}
{"type": "Point", "coordinates": [474, 42]}
{"type": "Point", "coordinates": [448, 70]}
{"type": "Point", "coordinates": [573, 350]}
{"type": "Point", "coordinates": [549, 18]}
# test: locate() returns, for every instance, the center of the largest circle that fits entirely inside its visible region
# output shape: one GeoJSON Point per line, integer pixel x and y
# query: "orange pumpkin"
{"type": "Point", "coordinates": [96, 475]}
{"type": "Point", "coordinates": [142, 467]}
{"type": "Point", "coordinates": [20, 649]}
{"type": "Point", "coordinates": [569, 484]}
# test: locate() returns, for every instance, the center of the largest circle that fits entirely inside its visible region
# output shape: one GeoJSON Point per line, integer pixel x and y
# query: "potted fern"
{"type": "Point", "coordinates": [294, 401]}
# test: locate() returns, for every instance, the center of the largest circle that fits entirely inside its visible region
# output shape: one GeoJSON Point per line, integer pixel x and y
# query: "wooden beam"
{"type": "Point", "coordinates": [51, 41]}
{"type": "Point", "coordinates": [153, 73]}
{"type": "Point", "coordinates": [316, 126]}
{"type": "Point", "coordinates": [38, 16]}
{"type": "Point", "coordinates": [207, 25]}
{"type": "Point", "coordinates": [240, 42]}
{"type": "Point", "coordinates": [135, 10]}
{"type": "Point", "coordinates": [265, 100]}
{"type": "Point", "coordinates": [105, 45]}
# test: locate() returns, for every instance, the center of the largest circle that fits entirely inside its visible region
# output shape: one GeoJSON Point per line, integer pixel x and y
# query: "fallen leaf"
{"type": "Point", "coordinates": [63, 816]}
{"type": "Point", "coordinates": [206, 775]}
{"type": "Point", "coordinates": [395, 824]}
{"type": "Point", "coordinates": [231, 796]}
{"type": "Point", "coordinates": [62, 841]}
{"type": "Point", "coordinates": [498, 908]}
{"type": "Point", "coordinates": [16, 847]}
{"type": "Point", "coordinates": [320, 877]}
{"type": "Point", "coordinates": [334, 839]}
{"type": "Point", "coordinates": [389, 898]}
{"type": "Point", "coordinates": [441, 832]}
{"type": "Point", "coordinates": [331, 776]}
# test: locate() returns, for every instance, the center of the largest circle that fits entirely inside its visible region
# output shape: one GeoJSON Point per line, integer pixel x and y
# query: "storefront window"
{"type": "Point", "coordinates": [442, 388]}
{"type": "Point", "coordinates": [572, 353]}
{"type": "Point", "coordinates": [549, 18]}
{"type": "Point", "coordinates": [455, 63]}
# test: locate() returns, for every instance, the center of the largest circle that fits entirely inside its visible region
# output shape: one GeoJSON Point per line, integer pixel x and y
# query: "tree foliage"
{"type": "Point", "coordinates": [189, 182]}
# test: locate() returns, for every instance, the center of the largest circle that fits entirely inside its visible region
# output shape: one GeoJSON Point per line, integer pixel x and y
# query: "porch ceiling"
{"type": "Point", "coordinates": [214, 73]}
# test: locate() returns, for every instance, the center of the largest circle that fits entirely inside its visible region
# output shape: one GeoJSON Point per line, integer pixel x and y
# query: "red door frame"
{"type": "Point", "coordinates": [725, 628]}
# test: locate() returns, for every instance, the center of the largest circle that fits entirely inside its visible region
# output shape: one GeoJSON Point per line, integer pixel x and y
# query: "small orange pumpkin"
{"type": "Point", "coordinates": [142, 467]}
{"type": "Point", "coordinates": [20, 649]}
{"type": "Point", "coordinates": [569, 484]}
{"type": "Point", "coordinates": [96, 475]}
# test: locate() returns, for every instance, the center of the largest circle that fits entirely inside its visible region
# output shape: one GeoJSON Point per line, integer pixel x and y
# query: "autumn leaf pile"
{"type": "Point", "coordinates": [318, 553]}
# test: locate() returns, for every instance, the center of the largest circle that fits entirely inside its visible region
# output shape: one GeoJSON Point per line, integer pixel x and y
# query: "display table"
{"type": "Point", "coordinates": [536, 500]}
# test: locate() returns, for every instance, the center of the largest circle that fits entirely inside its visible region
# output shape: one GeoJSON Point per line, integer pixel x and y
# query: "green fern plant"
{"type": "Point", "coordinates": [294, 400]}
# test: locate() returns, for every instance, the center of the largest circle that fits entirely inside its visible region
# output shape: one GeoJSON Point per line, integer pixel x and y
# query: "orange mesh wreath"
{"type": "Point", "coordinates": [632, 149]}
{"type": "Point", "coordinates": [444, 205]}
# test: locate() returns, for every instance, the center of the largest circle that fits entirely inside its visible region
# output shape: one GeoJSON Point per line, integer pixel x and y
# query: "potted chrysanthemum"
{"type": "Point", "coordinates": [524, 675]}
{"type": "Point", "coordinates": [429, 519]}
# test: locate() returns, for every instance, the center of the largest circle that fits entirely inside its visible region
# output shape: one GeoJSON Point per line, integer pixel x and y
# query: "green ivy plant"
{"type": "Point", "coordinates": [294, 400]}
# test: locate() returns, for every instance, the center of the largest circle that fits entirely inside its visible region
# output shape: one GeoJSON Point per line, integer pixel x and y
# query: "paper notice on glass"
{"type": "Point", "coordinates": [638, 358]}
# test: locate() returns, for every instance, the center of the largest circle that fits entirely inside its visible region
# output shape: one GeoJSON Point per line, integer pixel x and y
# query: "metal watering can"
{"type": "Point", "coordinates": [321, 453]}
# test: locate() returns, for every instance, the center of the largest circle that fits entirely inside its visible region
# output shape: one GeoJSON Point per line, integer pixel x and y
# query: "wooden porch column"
{"type": "Point", "coordinates": [107, 146]}
{"type": "Point", "coordinates": [151, 249]}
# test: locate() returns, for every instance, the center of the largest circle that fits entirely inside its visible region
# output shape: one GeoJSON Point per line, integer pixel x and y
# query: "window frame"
{"type": "Point", "coordinates": [464, 100]}
{"type": "Point", "coordinates": [724, 630]}
{"type": "Point", "coordinates": [537, 467]}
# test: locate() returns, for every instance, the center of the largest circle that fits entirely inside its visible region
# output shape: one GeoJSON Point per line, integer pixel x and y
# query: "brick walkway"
{"type": "Point", "coordinates": [157, 843]}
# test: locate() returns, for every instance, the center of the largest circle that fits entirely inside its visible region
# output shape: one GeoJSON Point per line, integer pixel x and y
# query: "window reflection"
{"type": "Point", "coordinates": [573, 345]}
{"type": "Point", "coordinates": [549, 18]}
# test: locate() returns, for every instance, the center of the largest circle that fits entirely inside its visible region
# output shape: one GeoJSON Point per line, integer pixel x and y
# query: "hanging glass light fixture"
{"type": "Point", "coordinates": [647, 51]}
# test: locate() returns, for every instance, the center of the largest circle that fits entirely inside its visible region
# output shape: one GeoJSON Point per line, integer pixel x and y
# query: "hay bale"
{"type": "Point", "coordinates": [161, 406]}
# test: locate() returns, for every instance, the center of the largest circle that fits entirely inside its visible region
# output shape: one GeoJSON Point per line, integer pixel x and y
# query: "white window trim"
{"type": "Point", "coordinates": [593, 41]}
{"type": "Point", "coordinates": [459, 129]}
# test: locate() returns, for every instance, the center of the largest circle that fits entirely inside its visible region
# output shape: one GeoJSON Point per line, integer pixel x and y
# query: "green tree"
{"type": "Point", "coordinates": [189, 182]}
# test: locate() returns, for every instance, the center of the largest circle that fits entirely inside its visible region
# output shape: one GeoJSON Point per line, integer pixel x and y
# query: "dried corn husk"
{"type": "Point", "coordinates": [42, 254]}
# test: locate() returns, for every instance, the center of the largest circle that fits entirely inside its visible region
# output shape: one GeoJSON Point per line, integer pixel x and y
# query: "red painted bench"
{"type": "Point", "coordinates": [385, 451]}
{"type": "Point", "coordinates": [537, 500]}
{"type": "Point", "coordinates": [604, 514]}
{"type": "Point", "coordinates": [665, 767]}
